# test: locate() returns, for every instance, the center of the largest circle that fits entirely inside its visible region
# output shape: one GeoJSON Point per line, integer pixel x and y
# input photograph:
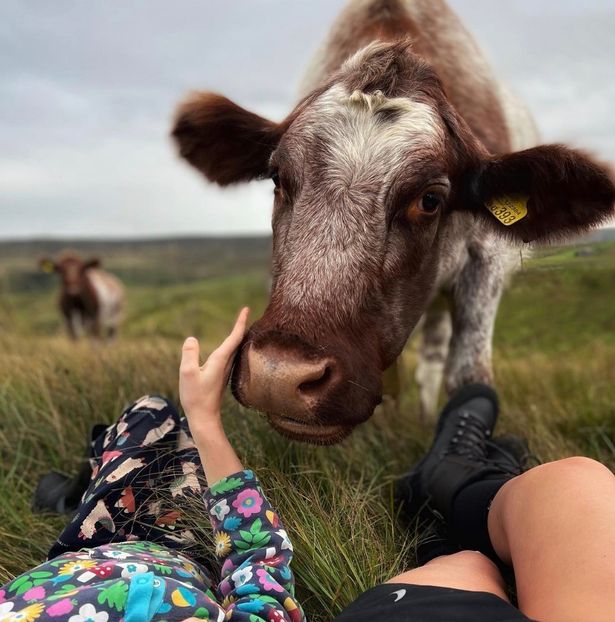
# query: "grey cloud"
{"type": "Point", "coordinates": [87, 90]}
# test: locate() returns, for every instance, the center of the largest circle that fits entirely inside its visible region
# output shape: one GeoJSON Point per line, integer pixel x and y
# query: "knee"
{"type": "Point", "coordinates": [472, 562]}
{"type": "Point", "coordinates": [569, 480]}
{"type": "Point", "coordinates": [582, 464]}
{"type": "Point", "coordinates": [152, 402]}
{"type": "Point", "coordinates": [155, 406]}
{"type": "Point", "coordinates": [465, 570]}
{"type": "Point", "coordinates": [572, 470]}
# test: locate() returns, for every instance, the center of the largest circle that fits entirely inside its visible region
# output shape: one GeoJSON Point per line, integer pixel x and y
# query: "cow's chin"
{"type": "Point", "coordinates": [325, 425]}
{"type": "Point", "coordinates": [315, 434]}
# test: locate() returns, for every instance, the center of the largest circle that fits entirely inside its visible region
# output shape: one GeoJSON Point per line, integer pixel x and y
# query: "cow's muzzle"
{"type": "Point", "coordinates": [308, 393]}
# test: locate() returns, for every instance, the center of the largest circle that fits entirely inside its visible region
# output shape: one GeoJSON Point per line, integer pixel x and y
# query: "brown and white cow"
{"type": "Point", "coordinates": [91, 299]}
{"type": "Point", "coordinates": [406, 175]}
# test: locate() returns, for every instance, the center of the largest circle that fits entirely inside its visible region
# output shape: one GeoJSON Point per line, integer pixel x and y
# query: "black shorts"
{"type": "Point", "coordinates": [398, 602]}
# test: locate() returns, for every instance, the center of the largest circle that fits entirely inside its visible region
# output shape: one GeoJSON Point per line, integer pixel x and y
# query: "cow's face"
{"type": "Point", "coordinates": [71, 270]}
{"type": "Point", "coordinates": [366, 170]}
{"type": "Point", "coordinates": [360, 183]}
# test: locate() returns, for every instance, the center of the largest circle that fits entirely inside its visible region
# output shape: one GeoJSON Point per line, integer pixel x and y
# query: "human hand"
{"type": "Point", "coordinates": [201, 387]}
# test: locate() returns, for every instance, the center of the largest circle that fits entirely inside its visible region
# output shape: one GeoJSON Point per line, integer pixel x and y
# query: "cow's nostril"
{"type": "Point", "coordinates": [318, 382]}
{"type": "Point", "coordinates": [283, 381]}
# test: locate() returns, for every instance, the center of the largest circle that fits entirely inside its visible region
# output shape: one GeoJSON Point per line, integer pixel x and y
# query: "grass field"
{"type": "Point", "coordinates": [554, 362]}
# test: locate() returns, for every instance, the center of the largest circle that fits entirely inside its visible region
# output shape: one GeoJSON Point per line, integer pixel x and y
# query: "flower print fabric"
{"type": "Point", "coordinates": [88, 613]}
{"type": "Point", "coordinates": [120, 581]}
{"type": "Point", "coordinates": [221, 509]}
{"type": "Point", "coordinates": [148, 448]}
{"type": "Point", "coordinates": [257, 583]}
{"type": "Point", "coordinates": [137, 568]}
{"type": "Point", "coordinates": [248, 502]}
{"type": "Point", "coordinates": [222, 544]}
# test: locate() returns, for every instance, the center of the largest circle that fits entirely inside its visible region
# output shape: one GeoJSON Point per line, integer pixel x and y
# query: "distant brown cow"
{"type": "Point", "coordinates": [91, 299]}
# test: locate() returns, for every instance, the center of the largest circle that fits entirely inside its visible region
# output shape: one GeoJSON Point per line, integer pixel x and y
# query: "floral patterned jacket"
{"type": "Point", "coordinates": [145, 582]}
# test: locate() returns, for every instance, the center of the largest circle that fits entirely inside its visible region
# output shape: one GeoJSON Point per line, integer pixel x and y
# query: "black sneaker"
{"type": "Point", "coordinates": [458, 455]}
{"type": "Point", "coordinates": [61, 494]}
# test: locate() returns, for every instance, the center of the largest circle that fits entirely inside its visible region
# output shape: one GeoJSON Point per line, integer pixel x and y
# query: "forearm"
{"type": "Point", "coordinates": [255, 550]}
{"type": "Point", "coordinates": [217, 454]}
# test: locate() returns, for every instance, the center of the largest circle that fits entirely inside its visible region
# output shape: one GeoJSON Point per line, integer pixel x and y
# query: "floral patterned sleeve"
{"type": "Point", "coordinates": [257, 583]}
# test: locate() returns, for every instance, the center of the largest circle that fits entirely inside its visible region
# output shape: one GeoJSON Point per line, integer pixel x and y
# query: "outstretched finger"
{"type": "Point", "coordinates": [190, 354]}
{"type": "Point", "coordinates": [231, 343]}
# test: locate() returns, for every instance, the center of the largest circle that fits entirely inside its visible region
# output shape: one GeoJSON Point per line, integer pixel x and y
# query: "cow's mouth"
{"type": "Point", "coordinates": [318, 434]}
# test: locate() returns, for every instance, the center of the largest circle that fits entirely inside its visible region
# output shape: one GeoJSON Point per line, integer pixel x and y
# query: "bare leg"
{"type": "Point", "coordinates": [556, 524]}
{"type": "Point", "coordinates": [466, 570]}
{"type": "Point", "coordinates": [436, 337]}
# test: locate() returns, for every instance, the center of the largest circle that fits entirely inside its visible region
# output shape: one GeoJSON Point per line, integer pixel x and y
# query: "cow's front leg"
{"type": "Point", "coordinates": [436, 336]}
{"type": "Point", "coordinates": [73, 324]}
{"type": "Point", "coordinates": [476, 297]}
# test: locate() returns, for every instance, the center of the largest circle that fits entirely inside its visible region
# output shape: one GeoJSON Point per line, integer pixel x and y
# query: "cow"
{"type": "Point", "coordinates": [91, 299]}
{"type": "Point", "coordinates": [406, 181]}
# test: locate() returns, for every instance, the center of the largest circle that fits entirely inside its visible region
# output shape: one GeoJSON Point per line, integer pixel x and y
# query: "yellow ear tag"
{"type": "Point", "coordinates": [47, 266]}
{"type": "Point", "coordinates": [509, 209]}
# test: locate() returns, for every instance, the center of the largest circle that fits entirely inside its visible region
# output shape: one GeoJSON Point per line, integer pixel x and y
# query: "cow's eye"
{"type": "Point", "coordinates": [428, 203]}
{"type": "Point", "coordinates": [431, 202]}
{"type": "Point", "coordinates": [275, 177]}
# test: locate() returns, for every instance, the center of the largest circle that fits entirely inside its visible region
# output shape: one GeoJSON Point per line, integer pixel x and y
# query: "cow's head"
{"type": "Point", "coordinates": [71, 269]}
{"type": "Point", "coordinates": [366, 171]}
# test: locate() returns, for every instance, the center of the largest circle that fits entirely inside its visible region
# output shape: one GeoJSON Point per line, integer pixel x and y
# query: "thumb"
{"type": "Point", "coordinates": [190, 354]}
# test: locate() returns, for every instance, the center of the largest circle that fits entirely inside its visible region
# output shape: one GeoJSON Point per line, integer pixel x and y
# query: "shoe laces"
{"type": "Point", "coordinates": [470, 438]}
{"type": "Point", "coordinates": [510, 461]}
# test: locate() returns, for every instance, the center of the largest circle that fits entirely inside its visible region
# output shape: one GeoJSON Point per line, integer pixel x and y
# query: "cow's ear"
{"type": "Point", "coordinates": [227, 143]}
{"type": "Point", "coordinates": [545, 193]}
{"type": "Point", "coordinates": [94, 262]}
{"type": "Point", "coordinates": [47, 265]}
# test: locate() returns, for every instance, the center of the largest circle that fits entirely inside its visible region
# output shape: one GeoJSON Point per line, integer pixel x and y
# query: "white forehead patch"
{"type": "Point", "coordinates": [376, 101]}
{"type": "Point", "coordinates": [370, 134]}
{"type": "Point", "coordinates": [339, 220]}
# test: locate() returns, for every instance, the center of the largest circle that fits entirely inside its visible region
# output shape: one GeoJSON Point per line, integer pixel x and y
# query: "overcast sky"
{"type": "Point", "coordinates": [87, 90]}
